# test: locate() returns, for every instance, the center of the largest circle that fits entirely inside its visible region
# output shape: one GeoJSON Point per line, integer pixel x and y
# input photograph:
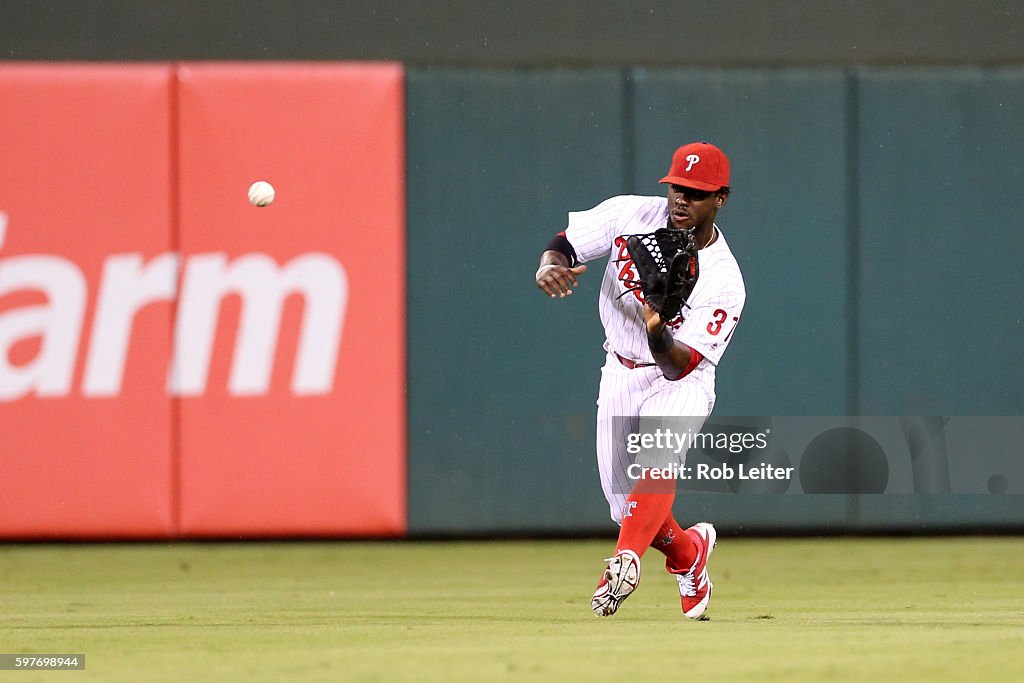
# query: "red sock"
{"type": "Point", "coordinates": [678, 547]}
{"type": "Point", "coordinates": [646, 508]}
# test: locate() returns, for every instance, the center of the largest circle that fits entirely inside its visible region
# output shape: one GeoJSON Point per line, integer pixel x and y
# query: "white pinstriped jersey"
{"type": "Point", "coordinates": [713, 309]}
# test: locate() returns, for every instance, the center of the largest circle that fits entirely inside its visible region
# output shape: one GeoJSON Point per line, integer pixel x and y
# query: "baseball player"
{"type": "Point", "coordinates": [654, 367]}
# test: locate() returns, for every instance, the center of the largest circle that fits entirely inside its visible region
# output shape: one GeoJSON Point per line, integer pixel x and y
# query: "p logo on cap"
{"type": "Point", "coordinates": [699, 165]}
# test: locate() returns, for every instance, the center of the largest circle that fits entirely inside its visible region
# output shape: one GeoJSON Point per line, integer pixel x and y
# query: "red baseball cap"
{"type": "Point", "coordinates": [699, 165]}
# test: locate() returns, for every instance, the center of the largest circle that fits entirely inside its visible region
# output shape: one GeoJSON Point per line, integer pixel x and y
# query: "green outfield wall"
{"type": "Point", "coordinates": [874, 212]}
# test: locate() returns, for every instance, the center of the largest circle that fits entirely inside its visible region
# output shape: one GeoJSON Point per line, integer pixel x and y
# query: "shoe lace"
{"type": "Point", "coordinates": [688, 581]}
{"type": "Point", "coordinates": [686, 586]}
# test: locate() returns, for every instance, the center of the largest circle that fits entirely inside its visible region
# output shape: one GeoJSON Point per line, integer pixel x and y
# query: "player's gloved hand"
{"type": "Point", "coordinates": [667, 268]}
{"type": "Point", "coordinates": [557, 280]}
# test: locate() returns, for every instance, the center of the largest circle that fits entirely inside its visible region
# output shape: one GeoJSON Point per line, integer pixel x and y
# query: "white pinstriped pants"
{"type": "Point", "coordinates": [625, 397]}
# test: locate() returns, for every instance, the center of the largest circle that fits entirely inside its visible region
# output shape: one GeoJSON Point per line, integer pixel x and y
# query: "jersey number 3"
{"type": "Point", "coordinates": [717, 320]}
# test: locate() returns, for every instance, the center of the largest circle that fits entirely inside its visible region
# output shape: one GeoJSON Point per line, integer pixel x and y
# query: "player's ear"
{"type": "Point", "coordinates": [720, 199]}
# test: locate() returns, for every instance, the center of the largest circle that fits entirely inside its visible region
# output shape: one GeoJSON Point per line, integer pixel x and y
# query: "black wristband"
{"type": "Point", "coordinates": [561, 244]}
{"type": "Point", "coordinates": [660, 342]}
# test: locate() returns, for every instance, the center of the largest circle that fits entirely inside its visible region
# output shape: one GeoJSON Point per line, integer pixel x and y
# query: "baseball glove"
{"type": "Point", "coordinates": [666, 265]}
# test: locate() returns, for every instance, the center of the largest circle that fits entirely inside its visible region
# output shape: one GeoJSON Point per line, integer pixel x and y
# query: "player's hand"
{"type": "Point", "coordinates": [652, 319]}
{"type": "Point", "coordinates": [557, 281]}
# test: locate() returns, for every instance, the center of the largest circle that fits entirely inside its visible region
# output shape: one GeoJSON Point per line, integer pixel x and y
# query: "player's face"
{"type": "Point", "coordinates": [690, 208]}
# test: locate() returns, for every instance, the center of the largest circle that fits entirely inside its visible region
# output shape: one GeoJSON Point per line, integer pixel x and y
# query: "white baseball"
{"type": "Point", "coordinates": [261, 193]}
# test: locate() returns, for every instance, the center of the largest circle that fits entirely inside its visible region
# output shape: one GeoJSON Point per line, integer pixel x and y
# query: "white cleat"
{"type": "Point", "coordinates": [621, 578]}
{"type": "Point", "coordinates": [695, 586]}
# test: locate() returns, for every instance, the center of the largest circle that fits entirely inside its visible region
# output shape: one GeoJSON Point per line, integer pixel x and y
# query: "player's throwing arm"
{"type": "Point", "coordinates": [555, 276]}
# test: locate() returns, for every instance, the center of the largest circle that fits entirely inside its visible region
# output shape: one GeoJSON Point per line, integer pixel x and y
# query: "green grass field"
{"type": "Point", "coordinates": [783, 610]}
